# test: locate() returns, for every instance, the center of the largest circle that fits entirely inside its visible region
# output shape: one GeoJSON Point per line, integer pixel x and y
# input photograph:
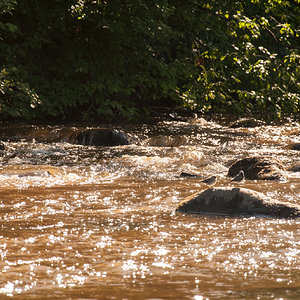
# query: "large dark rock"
{"type": "Point", "coordinates": [295, 146]}
{"type": "Point", "coordinates": [102, 137]}
{"type": "Point", "coordinates": [259, 167]}
{"type": "Point", "coordinates": [294, 168]}
{"type": "Point", "coordinates": [2, 148]}
{"type": "Point", "coordinates": [236, 202]}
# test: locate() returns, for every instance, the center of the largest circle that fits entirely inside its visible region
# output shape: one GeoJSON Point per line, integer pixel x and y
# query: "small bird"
{"type": "Point", "coordinates": [239, 177]}
{"type": "Point", "coordinates": [210, 181]}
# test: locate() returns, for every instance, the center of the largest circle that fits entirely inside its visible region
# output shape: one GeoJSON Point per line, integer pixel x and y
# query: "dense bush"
{"type": "Point", "coordinates": [91, 59]}
{"type": "Point", "coordinates": [252, 62]}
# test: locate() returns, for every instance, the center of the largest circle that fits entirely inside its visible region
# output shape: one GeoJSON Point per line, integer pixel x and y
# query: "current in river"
{"type": "Point", "coordinates": [99, 222]}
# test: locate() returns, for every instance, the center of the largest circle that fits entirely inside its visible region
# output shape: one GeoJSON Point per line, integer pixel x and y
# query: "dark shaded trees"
{"type": "Point", "coordinates": [114, 58]}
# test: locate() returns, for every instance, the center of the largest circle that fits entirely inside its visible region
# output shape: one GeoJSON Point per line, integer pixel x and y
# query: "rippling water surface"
{"type": "Point", "coordinates": [100, 222]}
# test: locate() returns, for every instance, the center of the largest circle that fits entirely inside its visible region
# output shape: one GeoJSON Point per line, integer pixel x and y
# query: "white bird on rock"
{"type": "Point", "coordinates": [239, 177]}
{"type": "Point", "coordinates": [210, 181]}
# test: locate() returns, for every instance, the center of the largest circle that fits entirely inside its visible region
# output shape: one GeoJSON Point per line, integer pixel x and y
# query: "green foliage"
{"type": "Point", "coordinates": [16, 97]}
{"type": "Point", "coordinates": [113, 58]}
{"type": "Point", "coordinates": [253, 64]}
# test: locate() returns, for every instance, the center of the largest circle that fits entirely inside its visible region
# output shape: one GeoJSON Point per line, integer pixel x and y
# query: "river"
{"type": "Point", "coordinates": [88, 222]}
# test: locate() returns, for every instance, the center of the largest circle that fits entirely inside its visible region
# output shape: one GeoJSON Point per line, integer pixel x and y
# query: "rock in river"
{"type": "Point", "coordinates": [2, 148]}
{"type": "Point", "coordinates": [295, 147]}
{"type": "Point", "coordinates": [236, 202]}
{"type": "Point", "coordinates": [259, 167]}
{"type": "Point", "coordinates": [246, 122]}
{"type": "Point", "coordinates": [294, 168]}
{"type": "Point", "coordinates": [102, 137]}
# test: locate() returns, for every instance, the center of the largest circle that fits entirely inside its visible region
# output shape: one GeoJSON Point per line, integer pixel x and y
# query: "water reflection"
{"type": "Point", "coordinates": [100, 222]}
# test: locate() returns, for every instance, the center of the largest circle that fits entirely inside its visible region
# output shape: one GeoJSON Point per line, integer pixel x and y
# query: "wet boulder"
{"type": "Point", "coordinates": [2, 148]}
{"type": "Point", "coordinates": [236, 202]}
{"type": "Point", "coordinates": [294, 168]}
{"type": "Point", "coordinates": [102, 137]}
{"type": "Point", "coordinates": [259, 167]}
{"type": "Point", "coordinates": [295, 147]}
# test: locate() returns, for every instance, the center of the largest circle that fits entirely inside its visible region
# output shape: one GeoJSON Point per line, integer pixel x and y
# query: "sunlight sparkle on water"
{"type": "Point", "coordinates": [102, 222]}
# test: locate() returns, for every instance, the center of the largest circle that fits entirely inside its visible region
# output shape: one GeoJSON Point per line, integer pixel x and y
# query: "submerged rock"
{"type": "Point", "coordinates": [259, 167]}
{"type": "Point", "coordinates": [236, 202]}
{"type": "Point", "coordinates": [167, 141]}
{"type": "Point", "coordinates": [186, 174]}
{"type": "Point", "coordinates": [30, 171]}
{"type": "Point", "coordinates": [102, 137]}
{"type": "Point", "coordinates": [247, 123]}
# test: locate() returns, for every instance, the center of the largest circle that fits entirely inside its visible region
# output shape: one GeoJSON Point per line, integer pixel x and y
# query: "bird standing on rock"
{"type": "Point", "coordinates": [239, 177]}
{"type": "Point", "coordinates": [210, 181]}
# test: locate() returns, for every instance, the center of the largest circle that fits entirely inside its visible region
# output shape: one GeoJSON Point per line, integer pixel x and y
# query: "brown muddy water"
{"type": "Point", "coordinates": [99, 222]}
